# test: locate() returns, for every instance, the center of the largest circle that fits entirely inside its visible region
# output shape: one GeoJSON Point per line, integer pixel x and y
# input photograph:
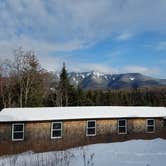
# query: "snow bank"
{"type": "Point", "coordinates": [129, 153]}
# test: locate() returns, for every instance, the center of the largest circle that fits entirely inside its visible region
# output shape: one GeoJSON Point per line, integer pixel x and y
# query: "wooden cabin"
{"type": "Point", "coordinates": [58, 128]}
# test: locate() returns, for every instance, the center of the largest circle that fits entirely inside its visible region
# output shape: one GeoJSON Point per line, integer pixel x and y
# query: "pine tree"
{"type": "Point", "coordinates": [64, 86]}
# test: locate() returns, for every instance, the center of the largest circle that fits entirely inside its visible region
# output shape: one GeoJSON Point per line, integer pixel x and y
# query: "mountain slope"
{"type": "Point", "coordinates": [96, 80]}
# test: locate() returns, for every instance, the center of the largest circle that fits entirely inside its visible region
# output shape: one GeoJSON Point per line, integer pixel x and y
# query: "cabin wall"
{"type": "Point", "coordinates": [37, 136]}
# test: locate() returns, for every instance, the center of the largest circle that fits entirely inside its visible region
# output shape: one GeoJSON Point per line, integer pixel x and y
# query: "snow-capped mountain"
{"type": "Point", "coordinates": [97, 80]}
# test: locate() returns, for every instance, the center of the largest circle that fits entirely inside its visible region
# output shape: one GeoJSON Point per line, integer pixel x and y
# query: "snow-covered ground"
{"type": "Point", "coordinates": [130, 153]}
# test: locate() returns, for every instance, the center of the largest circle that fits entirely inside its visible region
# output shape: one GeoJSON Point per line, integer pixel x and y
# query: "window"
{"type": "Point", "coordinates": [56, 130]}
{"type": "Point", "coordinates": [91, 128]}
{"type": "Point", "coordinates": [164, 123]}
{"type": "Point", "coordinates": [122, 126]}
{"type": "Point", "coordinates": [150, 125]}
{"type": "Point", "coordinates": [17, 132]}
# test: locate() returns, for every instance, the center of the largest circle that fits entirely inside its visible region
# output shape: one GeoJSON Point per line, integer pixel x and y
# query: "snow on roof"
{"type": "Point", "coordinates": [71, 113]}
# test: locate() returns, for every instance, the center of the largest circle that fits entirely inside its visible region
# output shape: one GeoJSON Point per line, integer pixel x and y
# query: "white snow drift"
{"type": "Point", "coordinates": [130, 153]}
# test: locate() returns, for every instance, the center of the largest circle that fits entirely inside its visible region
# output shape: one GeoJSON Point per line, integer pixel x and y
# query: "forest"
{"type": "Point", "coordinates": [24, 83]}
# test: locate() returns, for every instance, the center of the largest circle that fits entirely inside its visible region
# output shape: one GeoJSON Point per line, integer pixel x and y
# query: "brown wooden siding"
{"type": "Point", "coordinates": [37, 136]}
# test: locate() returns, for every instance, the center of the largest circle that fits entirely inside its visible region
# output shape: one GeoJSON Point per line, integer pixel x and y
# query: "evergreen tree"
{"type": "Point", "coordinates": [64, 86]}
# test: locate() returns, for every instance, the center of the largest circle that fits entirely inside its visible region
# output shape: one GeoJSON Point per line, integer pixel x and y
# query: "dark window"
{"type": "Point", "coordinates": [17, 131]}
{"type": "Point", "coordinates": [56, 130]}
{"type": "Point", "coordinates": [164, 122]}
{"type": "Point", "coordinates": [150, 122]}
{"type": "Point", "coordinates": [150, 125]}
{"type": "Point", "coordinates": [57, 125]}
{"type": "Point", "coordinates": [56, 133]}
{"type": "Point", "coordinates": [18, 127]}
{"type": "Point", "coordinates": [122, 122]}
{"type": "Point", "coordinates": [122, 129]}
{"type": "Point", "coordinates": [91, 128]}
{"type": "Point", "coordinates": [18, 136]}
{"type": "Point", "coordinates": [122, 126]}
{"type": "Point", "coordinates": [91, 124]}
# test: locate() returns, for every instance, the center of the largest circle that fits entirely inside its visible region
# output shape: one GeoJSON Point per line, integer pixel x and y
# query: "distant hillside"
{"type": "Point", "coordinates": [96, 80]}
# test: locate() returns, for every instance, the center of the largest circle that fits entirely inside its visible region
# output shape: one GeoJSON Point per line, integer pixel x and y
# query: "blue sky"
{"type": "Point", "coordinates": [110, 36]}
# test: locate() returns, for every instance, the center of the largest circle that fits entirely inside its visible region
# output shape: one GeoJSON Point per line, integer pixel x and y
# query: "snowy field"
{"type": "Point", "coordinates": [130, 153]}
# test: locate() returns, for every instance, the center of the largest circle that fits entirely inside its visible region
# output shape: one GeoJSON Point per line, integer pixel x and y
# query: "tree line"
{"type": "Point", "coordinates": [24, 83]}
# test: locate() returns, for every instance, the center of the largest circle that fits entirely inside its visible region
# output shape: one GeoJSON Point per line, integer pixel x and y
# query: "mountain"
{"type": "Point", "coordinates": [97, 80]}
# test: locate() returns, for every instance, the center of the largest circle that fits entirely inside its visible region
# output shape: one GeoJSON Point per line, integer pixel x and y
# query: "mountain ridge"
{"type": "Point", "coordinates": [98, 80]}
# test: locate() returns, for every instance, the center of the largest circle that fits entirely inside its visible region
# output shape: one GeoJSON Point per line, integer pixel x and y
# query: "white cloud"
{"type": "Point", "coordinates": [40, 47]}
{"type": "Point", "coordinates": [140, 69]}
{"type": "Point", "coordinates": [86, 20]}
{"type": "Point", "coordinates": [92, 67]}
{"type": "Point", "coordinates": [161, 46]}
{"type": "Point", "coordinates": [79, 67]}
{"type": "Point", "coordinates": [62, 25]}
{"type": "Point", "coordinates": [124, 36]}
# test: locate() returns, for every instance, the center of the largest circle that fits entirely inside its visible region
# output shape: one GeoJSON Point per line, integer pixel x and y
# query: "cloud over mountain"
{"type": "Point", "coordinates": [49, 27]}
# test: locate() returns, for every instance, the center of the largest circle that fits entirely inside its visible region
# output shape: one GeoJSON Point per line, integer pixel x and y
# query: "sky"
{"type": "Point", "coordinates": [109, 36]}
